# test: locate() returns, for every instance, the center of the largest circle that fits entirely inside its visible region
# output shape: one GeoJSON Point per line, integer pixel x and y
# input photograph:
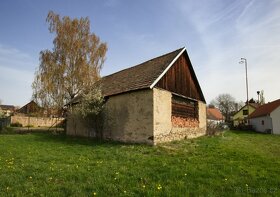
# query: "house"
{"type": "Point", "coordinates": [214, 116]}
{"type": "Point", "coordinates": [31, 108]}
{"type": "Point", "coordinates": [156, 101]}
{"type": "Point", "coordinates": [33, 115]}
{"type": "Point", "coordinates": [267, 118]}
{"type": "Point", "coordinates": [7, 110]}
{"type": "Point", "coordinates": [241, 116]}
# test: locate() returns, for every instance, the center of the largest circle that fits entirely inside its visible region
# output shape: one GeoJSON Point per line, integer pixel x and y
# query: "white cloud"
{"type": "Point", "coordinates": [228, 32]}
{"type": "Point", "coordinates": [16, 76]}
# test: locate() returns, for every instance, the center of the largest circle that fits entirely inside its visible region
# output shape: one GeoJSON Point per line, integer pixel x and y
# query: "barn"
{"type": "Point", "coordinates": [156, 101]}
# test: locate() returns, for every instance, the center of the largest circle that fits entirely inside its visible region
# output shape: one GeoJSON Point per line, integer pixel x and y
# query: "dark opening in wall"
{"type": "Point", "coordinates": [184, 108]}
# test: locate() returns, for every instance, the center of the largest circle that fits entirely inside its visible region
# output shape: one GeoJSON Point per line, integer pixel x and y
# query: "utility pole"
{"type": "Point", "coordinates": [244, 61]}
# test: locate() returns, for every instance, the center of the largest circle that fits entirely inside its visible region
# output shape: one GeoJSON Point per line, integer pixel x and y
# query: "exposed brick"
{"type": "Point", "coordinates": [184, 122]}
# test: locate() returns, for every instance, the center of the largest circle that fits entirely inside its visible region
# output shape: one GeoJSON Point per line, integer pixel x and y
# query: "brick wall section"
{"type": "Point", "coordinates": [180, 128]}
{"type": "Point", "coordinates": [36, 121]}
{"type": "Point", "coordinates": [184, 122]}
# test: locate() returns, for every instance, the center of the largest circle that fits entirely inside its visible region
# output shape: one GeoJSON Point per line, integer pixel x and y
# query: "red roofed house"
{"type": "Point", "coordinates": [156, 101]}
{"type": "Point", "coordinates": [266, 118]}
{"type": "Point", "coordinates": [214, 115]}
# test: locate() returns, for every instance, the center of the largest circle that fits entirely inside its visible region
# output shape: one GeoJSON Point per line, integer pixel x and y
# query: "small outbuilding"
{"type": "Point", "coordinates": [156, 101]}
{"type": "Point", "coordinates": [30, 108]}
{"type": "Point", "coordinates": [266, 118]}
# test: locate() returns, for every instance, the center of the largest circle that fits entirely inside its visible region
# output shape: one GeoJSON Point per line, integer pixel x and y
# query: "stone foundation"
{"type": "Point", "coordinates": [179, 134]}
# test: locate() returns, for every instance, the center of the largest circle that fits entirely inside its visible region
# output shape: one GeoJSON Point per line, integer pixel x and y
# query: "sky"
{"type": "Point", "coordinates": [216, 33]}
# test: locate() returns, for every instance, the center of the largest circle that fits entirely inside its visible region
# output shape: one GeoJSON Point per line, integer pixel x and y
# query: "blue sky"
{"type": "Point", "coordinates": [216, 33]}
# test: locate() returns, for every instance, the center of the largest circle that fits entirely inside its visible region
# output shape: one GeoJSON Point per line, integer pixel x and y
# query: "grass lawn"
{"type": "Point", "coordinates": [232, 164]}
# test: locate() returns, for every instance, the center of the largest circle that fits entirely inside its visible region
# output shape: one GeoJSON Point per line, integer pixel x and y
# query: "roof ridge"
{"type": "Point", "coordinates": [180, 49]}
{"type": "Point", "coordinates": [265, 108]}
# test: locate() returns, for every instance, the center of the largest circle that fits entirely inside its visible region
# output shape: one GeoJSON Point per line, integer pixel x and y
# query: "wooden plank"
{"type": "Point", "coordinates": [179, 80]}
{"type": "Point", "coordinates": [185, 110]}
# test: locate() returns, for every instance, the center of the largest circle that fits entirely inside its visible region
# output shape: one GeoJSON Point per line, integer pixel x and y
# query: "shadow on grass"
{"type": "Point", "coordinates": [240, 132]}
{"type": "Point", "coordinates": [72, 140]}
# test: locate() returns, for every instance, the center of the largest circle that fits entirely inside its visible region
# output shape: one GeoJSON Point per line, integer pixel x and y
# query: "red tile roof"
{"type": "Point", "coordinates": [265, 109]}
{"type": "Point", "coordinates": [214, 114]}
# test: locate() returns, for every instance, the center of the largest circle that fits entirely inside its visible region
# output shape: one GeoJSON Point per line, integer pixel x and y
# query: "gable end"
{"type": "Point", "coordinates": [179, 78]}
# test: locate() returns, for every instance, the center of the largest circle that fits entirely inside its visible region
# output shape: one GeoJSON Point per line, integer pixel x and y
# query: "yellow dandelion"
{"type": "Point", "coordinates": [30, 177]}
{"type": "Point", "coordinates": [185, 174]}
{"type": "Point", "coordinates": [159, 187]}
{"type": "Point", "coordinates": [143, 186]}
{"type": "Point", "coordinates": [94, 193]}
{"type": "Point", "coordinates": [225, 179]}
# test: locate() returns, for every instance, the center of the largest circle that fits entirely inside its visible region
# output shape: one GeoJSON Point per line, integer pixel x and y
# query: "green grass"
{"type": "Point", "coordinates": [232, 164]}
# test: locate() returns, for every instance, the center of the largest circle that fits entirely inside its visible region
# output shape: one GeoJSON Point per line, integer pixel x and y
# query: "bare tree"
{"type": "Point", "coordinates": [72, 66]}
{"type": "Point", "coordinates": [226, 104]}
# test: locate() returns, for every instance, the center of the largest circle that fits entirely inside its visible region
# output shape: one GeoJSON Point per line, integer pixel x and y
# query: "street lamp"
{"type": "Point", "coordinates": [244, 61]}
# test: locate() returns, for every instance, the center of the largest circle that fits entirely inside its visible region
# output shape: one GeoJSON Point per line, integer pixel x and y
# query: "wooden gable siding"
{"type": "Point", "coordinates": [180, 79]}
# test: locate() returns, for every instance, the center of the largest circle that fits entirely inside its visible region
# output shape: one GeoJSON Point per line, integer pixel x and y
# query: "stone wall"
{"type": "Point", "coordinates": [174, 128]}
{"type": "Point", "coordinates": [162, 112]}
{"type": "Point", "coordinates": [129, 117]}
{"type": "Point", "coordinates": [202, 115]}
{"type": "Point", "coordinates": [76, 126]}
{"type": "Point", "coordinates": [36, 121]}
{"type": "Point", "coordinates": [126, 117]}
{"type": "Point", "coordinates": [140, 117]}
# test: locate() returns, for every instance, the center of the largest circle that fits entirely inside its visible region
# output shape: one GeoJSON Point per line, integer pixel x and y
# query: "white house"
{"type": "Point", "coordinates": [266, 118]}
{"type": "Point", "coordinates": [214, 116]}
